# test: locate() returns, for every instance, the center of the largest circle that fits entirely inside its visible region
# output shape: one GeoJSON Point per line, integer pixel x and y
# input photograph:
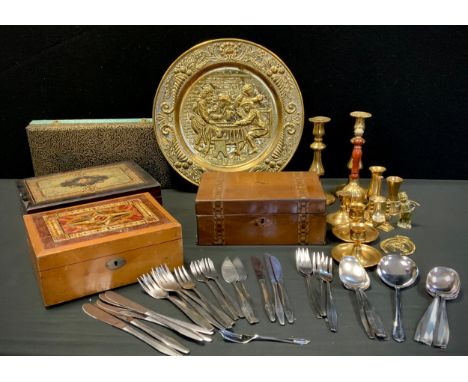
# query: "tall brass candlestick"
{"type": "Point", "coordinates": [359, 127]}
{"type": "Point", "coordinates": [358, 194]}
{"type": "Point", "coordinates": [318, 145]}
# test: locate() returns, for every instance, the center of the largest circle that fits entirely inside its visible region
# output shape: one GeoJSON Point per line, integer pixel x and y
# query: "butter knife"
{"type": "Point", "coordinates": [93, 311]}
{"type": "Point", "coordinates": [259, 272]}
{"type": "Point", "coordinates": [274, 284]}
{"type": "Point", "coordinates": [277, 270]}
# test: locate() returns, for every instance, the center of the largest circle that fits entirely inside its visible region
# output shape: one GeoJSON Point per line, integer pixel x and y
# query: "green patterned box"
{"type": "Point", "coordinates": [65, 145]}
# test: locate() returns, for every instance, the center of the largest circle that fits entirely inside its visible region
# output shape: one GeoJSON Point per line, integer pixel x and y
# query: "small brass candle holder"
{"type": "Point", "coordinates": [356, 214]}
{"type": "Point", "coordinates": [318, 145]}
{"type": "Point", "coordinates": [393, 203]}
{"type": "Point", "coordinates": [368, 256]}
{"type": "Point", "coordinates": [375, 185]}
{"type": "Point", "coordinates": [341, 216]}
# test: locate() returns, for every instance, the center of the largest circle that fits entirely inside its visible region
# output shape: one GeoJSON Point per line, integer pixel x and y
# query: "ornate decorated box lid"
{"type": "Point", "coordinates": [88, 184]}
{"type": "Point", "coordinates": [260, 193]}
{"type": "Point", "coordinates": [75, 234]}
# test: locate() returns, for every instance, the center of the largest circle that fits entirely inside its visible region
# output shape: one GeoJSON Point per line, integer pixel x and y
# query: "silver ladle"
{"type": "Point", "coordinates": [397, 272]}
{"type": "Point", "coordinates": [354, 277]}
{"type": "Point", "coordinates": [443, 284]}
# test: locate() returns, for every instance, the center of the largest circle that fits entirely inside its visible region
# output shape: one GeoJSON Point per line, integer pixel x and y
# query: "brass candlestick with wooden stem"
{"type": "Point", "coordinates": [359, 127]}
{"type": "Point", "coordinates": [358, 194]}
{"type": "Point", "coordinates": [318, 145]}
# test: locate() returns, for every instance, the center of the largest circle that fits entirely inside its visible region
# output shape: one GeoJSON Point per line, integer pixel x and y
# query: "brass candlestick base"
{"type": "Point", "coordinates": [368, 256]}
{"type": "Point", "coordinates": [318, 145]}
{"type": "Point", "coordinates": [343, 232]}
{"type": "Point", "coordinates": [341, 216]}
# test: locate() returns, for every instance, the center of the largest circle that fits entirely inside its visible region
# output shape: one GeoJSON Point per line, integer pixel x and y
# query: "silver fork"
{"type": "Point", "coordinates": [209, 270]}
{"type": "Point", "coordinates": [326, 273]}
{"type": "Point", "coordinates": [304, 266]}
{"type": "Point", "coordinates": [199, 276]}
{"type": "Point", "coordinates": [163, 276]}
{"type": "Point", "coordinates": [151, 287]}
{"type": "Point", "coordinates": [316, 259]}
{"type": "Point", "coordinates": [186, 282]}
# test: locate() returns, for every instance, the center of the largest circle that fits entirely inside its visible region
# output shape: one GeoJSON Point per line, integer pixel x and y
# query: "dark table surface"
{"type": "Point", "coordinates": [440, 234]}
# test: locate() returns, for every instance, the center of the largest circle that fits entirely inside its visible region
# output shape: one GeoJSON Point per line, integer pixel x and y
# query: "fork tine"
{"type": "Point", "coordinates": [186, 274]}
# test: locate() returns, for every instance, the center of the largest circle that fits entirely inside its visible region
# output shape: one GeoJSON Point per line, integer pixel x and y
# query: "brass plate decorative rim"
{"type": "Point", "coordinates": [398, 243]}
{"type": "Point", "coordinates": [343, 232]}
{"type": "Point", "coordinates": [371, 256]}
{"type": "Point", "coordinates": [255, 110]}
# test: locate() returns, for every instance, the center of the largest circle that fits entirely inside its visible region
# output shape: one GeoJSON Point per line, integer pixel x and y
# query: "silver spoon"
{"type": "Point", "coordinates": [354, 277]}
{"type": "Point", "coordinates": [433, 329]}
{"type": "Point", "coordinates": [397, 272]}
{"type": "Point", "coordinates": [246, 338]}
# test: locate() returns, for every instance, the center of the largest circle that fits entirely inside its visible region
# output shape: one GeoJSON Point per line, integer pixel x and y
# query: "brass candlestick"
{"type": "Point", "coordinates": [359, 127]}
{"type": "Point", "coordinates": [318, 145]}
{"type": "Point", "coordinates": [375, 185]}
{"type": "Point", "coordinates": [357, 193]}
{"type": "Point", "coordinates": [367, 255]}
{"type": "Point", "coordinates": [340, 217]}
{"type": "Point", "coordinates": [393, 204]}
{"type": "Point", "coordinates": [378, 214]}
{"type": "Point", "coordinates": [356, 215]}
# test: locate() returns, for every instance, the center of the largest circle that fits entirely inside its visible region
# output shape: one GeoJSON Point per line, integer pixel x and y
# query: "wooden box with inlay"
{"type": "Point", "coordinates": [250, 208]}
{"type": "Point", "coordinates": [90, 248]}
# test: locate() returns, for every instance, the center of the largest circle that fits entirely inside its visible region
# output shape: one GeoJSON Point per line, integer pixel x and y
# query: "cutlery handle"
{"type": "Point", "coordinates": [190, 312]}
{"type": "Point", "coordinates": [266, 299]}
{"type": "Point", "coordinates": [425, 329]}
{"type": "Point", "coordinates": [183, 330]}
{"type": "Point", "coordinates": [167, 340]}
{"type": "Point", "coordinates": [323, 310]}
{"type": "Point", "coordinates": [374, 319]}
{"type": "Point", "coordinates": [188, 325]}
{"type": "Point", "coordinates": [331, 310]}
{"type": "Point", "coordinates": [151, 341]}
{"type": "Point", "coordinates": [245, 305]}
{"type": "Point", "coordinates": [442, 331]}
{"type": "Point", "coordinates": [313, 296]}
{"type": "Point", "coordinates": [245, 291]}
{"type": "Point", "coordinates": [201, 308]}
{"type": "Point", "coordinates": [398, 333]}
{"type": "Point", "coordinates": [286, 304]}
{"type": "Point", "coordinates": [296, 341]}
{"type": "Point", "coordinates": [278, 306]}
{"type": "Point", "coordinates": [217, 313]}
{"type": "Point", "coordinates": [362, 313]}
{"type": "Point", "coordinates": [229, 299]}
{"type": "Point", "coordinates": [220, 298]}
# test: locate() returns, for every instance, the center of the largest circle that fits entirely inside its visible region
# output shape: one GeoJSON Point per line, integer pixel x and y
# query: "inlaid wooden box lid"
{"type": "Point", "coordinates": [260, 193]}
{"type": "Point", "coordinates": [85, 185]}
{"type": "Point", "coordinates": [80, 233]}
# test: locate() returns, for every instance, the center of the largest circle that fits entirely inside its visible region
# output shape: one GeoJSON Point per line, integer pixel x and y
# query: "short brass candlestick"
{"type": "Point", "coordinates": [393, 203]}
{"type": "Point", "coordinates": [359, 127]}
{"type": "Point", "coordinates": [341, 216]}
{"type": "Point", "coordinates": [318, 145]}
{"type": "Point", "coordinates": [356, 215]}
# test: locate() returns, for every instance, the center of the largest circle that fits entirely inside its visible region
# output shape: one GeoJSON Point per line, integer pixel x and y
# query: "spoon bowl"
{"type": "Point", "coordinates": [397, 271]}
{"type": "Point", "coordinates": [443, 282]}
{"type": "Point", "coordinates": [352, 274]}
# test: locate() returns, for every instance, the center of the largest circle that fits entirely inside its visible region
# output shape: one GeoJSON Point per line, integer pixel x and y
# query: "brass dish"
{"type": "Point", "coordinates": [228, 105]}
{"type": "Point", "coordinates": [343, 232]}
{"type": "Point", "coordinates": [368, 256]}
{"type": "Point", "coordinates": [401, 244]}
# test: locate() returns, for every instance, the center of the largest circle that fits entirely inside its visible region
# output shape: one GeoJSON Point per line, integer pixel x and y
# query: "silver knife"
{"type": "Point", "coordinates": [276, 265]}
{"type": "Point", "coordinates": [274, 283]}
{"type": "Point", "coordinates": [258, 268]}
{"type": "Point", "coordinates": [230, 275]}
{"type": "Point", "coordinates": [93, 311]}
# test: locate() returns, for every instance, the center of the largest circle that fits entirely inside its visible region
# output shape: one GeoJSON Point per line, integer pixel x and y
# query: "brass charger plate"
{"type": "Point", "coordinates": [228, 105]}
{"type": "Point", "coordinates": [343, 232]}
{"type": "Point", "coordinates": [401, 244]}
{"type": "Point", "coordinates": [370, 256]}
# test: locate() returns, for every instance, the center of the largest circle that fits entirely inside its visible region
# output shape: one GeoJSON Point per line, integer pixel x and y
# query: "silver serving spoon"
{"type": "Point", "coordinates": [397, 272]}
{"type": "Point", "coordinates": [354, 277]}
{"type": "Point", "coordinates": [433, 329]}
{"type": "Point", "coordinates": [246, 338]}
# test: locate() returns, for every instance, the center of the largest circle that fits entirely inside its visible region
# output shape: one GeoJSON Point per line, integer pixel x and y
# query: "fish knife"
{"type": "Point", "coordinates": [93, 311]}
{"type": "Point", "coordinates": [278, 271]}
{"type": "Point", "coordinates": [259, 272]}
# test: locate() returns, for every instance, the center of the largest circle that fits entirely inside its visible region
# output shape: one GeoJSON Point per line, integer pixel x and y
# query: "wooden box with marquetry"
{"type": "Point", "coordinates": [250, 208]}
{"type": "Point", "coordinates": [89, 248]}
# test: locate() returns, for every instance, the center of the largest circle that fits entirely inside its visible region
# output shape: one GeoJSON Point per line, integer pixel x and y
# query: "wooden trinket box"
{"type": "Point", "coordinates": [90, 248]}
{"type": "Point", "coordinates": [86, 185]}
{"type": "Point", "coordinates": [246, 208]}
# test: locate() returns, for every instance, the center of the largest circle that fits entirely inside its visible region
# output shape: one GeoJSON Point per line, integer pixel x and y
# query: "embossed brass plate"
{"type": "Point", "coordinates": [228, 105]}
{"type": "Point", "coordinates": [400, 244]}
